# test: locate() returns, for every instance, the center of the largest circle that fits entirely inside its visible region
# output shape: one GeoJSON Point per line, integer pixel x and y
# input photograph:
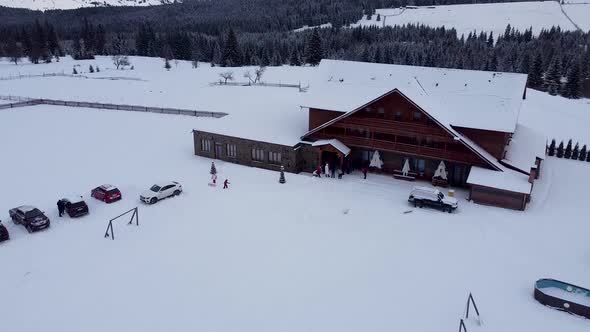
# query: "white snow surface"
{"type": "Point", "coordinates": [306, 27]}
{"type": "Point", "coordinates": [489, 17]}
{"type": "Point", "coordinates": [526, 145]}
{"type": "Point", "coordinates": [73, 4]}
{"type": "Point", "coordinates": [261, 256]}
{"type": "Point", "coordinates": [335, 143]}
{"type": "Point", "coordinates": [507, 179]}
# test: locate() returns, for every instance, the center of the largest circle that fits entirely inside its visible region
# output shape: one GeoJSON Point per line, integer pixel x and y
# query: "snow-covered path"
{"type": "Point", "coordinates": [263, 256]}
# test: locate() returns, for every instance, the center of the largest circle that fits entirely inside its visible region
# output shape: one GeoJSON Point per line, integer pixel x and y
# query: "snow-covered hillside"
{"type": "Point", "coordinates": [73, 4]}
{"type": "Point", "coordinates": [309, 255]}
{"type": "Point", "coordinates": [487, 17]}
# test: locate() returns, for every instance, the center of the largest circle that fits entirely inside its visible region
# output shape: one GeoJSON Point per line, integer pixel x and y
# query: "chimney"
{"type": "Point", "coordinates": [533, 175]}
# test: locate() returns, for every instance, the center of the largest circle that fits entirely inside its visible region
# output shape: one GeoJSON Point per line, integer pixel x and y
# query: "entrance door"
{"type": "Point", "coordinates": [218, 150]}
{"type": "Point", "coordinates": [458, 176]}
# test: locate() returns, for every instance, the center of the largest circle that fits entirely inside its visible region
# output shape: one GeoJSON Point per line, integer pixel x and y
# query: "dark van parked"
{"type": "Point", "coordinates": [30, 217]}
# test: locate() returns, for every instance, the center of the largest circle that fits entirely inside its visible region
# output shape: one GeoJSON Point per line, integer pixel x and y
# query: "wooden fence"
{"type": "Point", "coordinates": [24, 101]}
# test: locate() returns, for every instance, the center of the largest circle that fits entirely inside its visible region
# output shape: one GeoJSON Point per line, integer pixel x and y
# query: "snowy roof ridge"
{"type": "Point", "coordinates": [473, 99]}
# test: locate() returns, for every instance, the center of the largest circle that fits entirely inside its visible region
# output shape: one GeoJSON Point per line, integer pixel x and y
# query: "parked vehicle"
{"type": "Point", "coordinates": [30, 217]}
{"type": "Point", "coordinates": [107, 193]}
{"type": "Point", "coordinates": [160, 191]}
{"type": "Point", "coordinates": [424, 196]}
{"type": "Point", "coordinates": [3, 233]}
{"type": "Point", "coordinates": [75, 207]}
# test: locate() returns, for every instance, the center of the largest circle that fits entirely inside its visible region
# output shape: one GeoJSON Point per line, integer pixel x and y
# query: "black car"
{"type": "Point", "coordinates": [75, 207]}
{"type": "Point", "coordinates": [30, 217]}
{"type": "Point", "coordinates": [3, 233]}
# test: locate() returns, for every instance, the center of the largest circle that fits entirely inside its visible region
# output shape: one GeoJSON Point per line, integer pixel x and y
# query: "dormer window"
{"type": "Point", "coordinates": [417, 116]}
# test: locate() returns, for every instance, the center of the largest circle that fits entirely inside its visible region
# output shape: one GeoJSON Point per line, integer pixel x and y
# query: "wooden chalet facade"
{"type": "Point", "coordinates": [412, 116]}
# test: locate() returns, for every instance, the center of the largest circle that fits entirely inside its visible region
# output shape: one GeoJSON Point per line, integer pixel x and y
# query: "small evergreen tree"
{"type": "Point", "coordinates": [536, 73]}
{"type": "Point", "coordinates": [213, 170]}
{"type": "Point", "coordinates": [583, 153]}
{"type": "Point", "coordinates": [315, 52]}
{"type": "Point", "coordinates": [97, 69]}
{"type": "Point", "coordinates": [551, 148]}
{"type": "Point", "coordinates": [559, 153]}
{"type": "Point", "coordinates": [378, 17]}
{"type": "Point", "coordinates": [573, 86]}
{"type": "Point", "coordinates": [588, 156]}
{"type": "Point", "coordinates": [576, 152]}
{"type": "Point", "coordinates": [91, 69]}
{"type": "Point", "coordinates": [568, 150]}
{"type": "Point", "coordinates": [553, 77]}
{"type": "Point", "coordinates": [167, 64]}
{"type": "Point", "coordinates": [282, 178]}
{"type": "Point", "coordinates": [75, 72]}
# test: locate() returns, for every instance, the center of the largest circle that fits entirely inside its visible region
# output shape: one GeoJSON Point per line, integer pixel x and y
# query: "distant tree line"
{"type": "Point", "coordinates": [556, 61]}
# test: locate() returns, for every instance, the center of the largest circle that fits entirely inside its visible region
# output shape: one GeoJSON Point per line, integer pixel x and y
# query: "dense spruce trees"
{"type": "Point", "coordinates": [551, 148]}
{"type": "Point", "coordinates": [583, 153]}
{"type": "Point", "coordinates": [315, 51]}
{"type": "Point", "coordinates": [231, 57]}
{"type": "Point", "coordinates": [576, 152]}
{"type": "Point", "coordinates": [560, 150]}
{"type": "Point", "coordinates": [568, 150]}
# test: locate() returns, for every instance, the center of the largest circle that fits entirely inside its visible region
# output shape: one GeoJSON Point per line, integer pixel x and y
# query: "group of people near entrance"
{"type": "Point", "coordinates": [331, 171]}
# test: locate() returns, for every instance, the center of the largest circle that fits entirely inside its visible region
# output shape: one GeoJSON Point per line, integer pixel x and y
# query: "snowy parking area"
{"type": "Point", "coordinates": [309, 255]}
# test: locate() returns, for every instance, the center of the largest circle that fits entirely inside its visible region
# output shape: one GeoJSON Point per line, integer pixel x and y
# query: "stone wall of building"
{"type": "Point", "coordinates": [220, 146]}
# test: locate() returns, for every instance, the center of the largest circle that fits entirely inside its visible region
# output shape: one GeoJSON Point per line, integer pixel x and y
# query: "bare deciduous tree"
{"type": "Point", "coordinates": [227, 76]}
{"type": "Point", "coordinates": [248, 75]}
{"type": "Point", "coordinates": [121, 61]}
{"type": "Point", "coordinates": [259, 72]}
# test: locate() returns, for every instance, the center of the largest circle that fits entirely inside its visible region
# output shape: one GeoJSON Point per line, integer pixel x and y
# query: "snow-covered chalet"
{"type": "Point", "coordinates": [413, 116]}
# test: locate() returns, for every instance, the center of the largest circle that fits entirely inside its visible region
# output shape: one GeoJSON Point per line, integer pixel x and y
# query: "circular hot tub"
{"type": "Point", "coordinates": [563, 296]}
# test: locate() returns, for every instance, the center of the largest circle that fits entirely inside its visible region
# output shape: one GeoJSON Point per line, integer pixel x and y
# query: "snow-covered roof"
{"type": "Point", "coordinates": [335, 143]}
{"type": "Point", "coordinates": [26, 208]}
{"type": "Point", "coordinates": [506, 180]}
{"type": "Point", "coordinates": [524, 148]}
{"type": "Point", "coordinates": [74, 199]}
{"type": "Point", "coordinates": [107, 187]}
{"type": "Point", "coordinates": [464, 98]}
{"type": "Point", "coordinates": [265, 114]}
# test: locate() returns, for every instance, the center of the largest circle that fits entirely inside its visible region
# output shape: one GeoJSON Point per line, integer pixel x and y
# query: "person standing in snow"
{"type": "Point", "coordinates": [61, 207]}
{"type": "Point", "coordinates": [318, 172]}
{"type": "Point", "coordinates": [333, 171]}
{"type": "Point", "coordinates": [225, 184]}
{"type": "Point", "coordinates": [327, 170]}
{"type": "Point", "coordinates": [340, 173]}
{"type": "Point", "coordinates": [214, 179]}
{"type": "Point", "coordinates": [364, 170]}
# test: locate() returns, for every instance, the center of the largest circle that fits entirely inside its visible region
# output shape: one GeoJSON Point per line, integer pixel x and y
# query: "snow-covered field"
{"type": "Point", "coordinates": [73, 4]}
{"type": "Point", "coordinates": [310, 255]}
{"type": "Point", "coordinates": [487, 17]}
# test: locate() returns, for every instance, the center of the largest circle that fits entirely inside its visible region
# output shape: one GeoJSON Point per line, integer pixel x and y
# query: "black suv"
{"type": "Point", "coordinates": [3, 233]}
{"type": "Point", "coordinates": [75, 207]}
{"type": "Point", "coordinates": [30, 217]}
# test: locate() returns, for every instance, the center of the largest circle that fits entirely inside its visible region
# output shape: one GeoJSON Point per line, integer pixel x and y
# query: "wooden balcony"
{"type": "Point", "coordinates": [407, 149]}
{"type": "Point", "coordinates": [399, 128]}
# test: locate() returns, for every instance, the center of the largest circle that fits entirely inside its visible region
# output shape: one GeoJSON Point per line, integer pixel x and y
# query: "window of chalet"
{"type": "Point", "coordinates": [398, 116]}
{"type": "Point", "coordinates": [417, 116]}
{"type": "Point", "coordinates": [274, 157]}
{"type": "Point", "coordinates": [257, 154]}
{"type": "Point", "coordinates": [206, 145]}
{"type": "Point", "coordinates": [384, 137]}
{"type": "Point", "coordinates": [231, 150]}
{"type": "Point", "coordinates": [381, 112]}
{"type": "Point", "coordinates": [358, 132]}
{"type": "Point", "coordinates": [407, 140]}
{"type": "Point", "coordinates": [334, 131]}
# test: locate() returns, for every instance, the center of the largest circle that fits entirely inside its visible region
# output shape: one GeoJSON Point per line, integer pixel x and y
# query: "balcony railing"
{"type": "Point", "coordinates": [393, 127]}
{"type": "Point", "coordinates": [416, 150]}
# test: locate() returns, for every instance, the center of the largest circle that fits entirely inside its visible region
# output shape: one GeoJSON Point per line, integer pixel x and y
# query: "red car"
{"type": "Point", "coordinates": [107, 193]}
